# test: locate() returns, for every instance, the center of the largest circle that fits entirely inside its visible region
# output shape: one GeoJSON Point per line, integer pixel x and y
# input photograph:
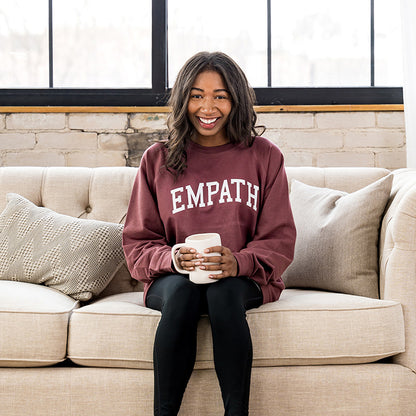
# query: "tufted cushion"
{"type": "Point", "coordinates": [37, 245]}
{"type": "Point", "coordinates": [302, 328]}
{"type": "Point", "coordinates": [34, 324]}
{"type": "Point", "coordinates": [89, 193]}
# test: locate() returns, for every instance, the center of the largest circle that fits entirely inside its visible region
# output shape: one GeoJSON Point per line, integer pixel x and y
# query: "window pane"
{"type": "Point", "coordinates": [24, 44]}
{"type": "Point", "coordinates": [236, 27]}
{"type": "Point", "coordinates": [100, 44]}
{"type": "Point", "coordinates": [321, 43]}
{"type": "Point", "coordinates": [388, 44]}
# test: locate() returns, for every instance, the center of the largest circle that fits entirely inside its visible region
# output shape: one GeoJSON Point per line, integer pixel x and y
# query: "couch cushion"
{"type": "Point", "coordinates": [337, 238]}
{"type": "Point", "coordinates": [76, 256]}
{"type": "Point", "coordinates": [303, 328]}
{"type": "Point", "coordinates": [34, 324]}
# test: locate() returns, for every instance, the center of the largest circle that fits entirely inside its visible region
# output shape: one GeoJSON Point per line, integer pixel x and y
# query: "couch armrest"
{"type": "Point", "coordinates": [398, 257]}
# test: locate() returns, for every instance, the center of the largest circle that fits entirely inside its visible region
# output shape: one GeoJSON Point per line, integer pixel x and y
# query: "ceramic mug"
{"type": "Point", "coordinates": [199, 242]}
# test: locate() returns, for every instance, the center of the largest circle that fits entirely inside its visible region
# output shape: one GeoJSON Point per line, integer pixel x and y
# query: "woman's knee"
{"type": "Point", "coordinates": [175, 292]}
{"type": "Point", "coordinates": [238, 294]}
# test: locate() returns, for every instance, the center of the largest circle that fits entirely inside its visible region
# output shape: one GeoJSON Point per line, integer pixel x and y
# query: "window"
{"type": "Point", "coordinates": [127, 53]}
{"type": "Point", "coordinates": [99, 44]}
{"type": "Point", "coordinates": [24, 44]}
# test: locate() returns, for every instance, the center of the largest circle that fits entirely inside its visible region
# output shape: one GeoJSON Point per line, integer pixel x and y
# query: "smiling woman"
{"type": "Point", "coordinates": [213, 175]}
{"type": "Point", "coordinates": [208, 109]}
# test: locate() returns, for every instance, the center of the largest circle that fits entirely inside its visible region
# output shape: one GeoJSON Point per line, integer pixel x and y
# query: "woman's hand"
{"type": "Point", "coordinates": [225, 262]}
{"type": "Point", "coordinates": [188, 258]}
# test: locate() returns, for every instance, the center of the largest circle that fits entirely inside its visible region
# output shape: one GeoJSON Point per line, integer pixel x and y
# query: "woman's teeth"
{"type": "Point", "coordinates": [208, 120]}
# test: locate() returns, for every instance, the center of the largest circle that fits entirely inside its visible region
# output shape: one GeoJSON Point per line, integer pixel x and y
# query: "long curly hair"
{"type": "Point", "coordinates": [240, 127]}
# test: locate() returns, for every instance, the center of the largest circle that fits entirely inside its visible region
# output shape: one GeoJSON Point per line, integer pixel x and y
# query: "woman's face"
{"type": "Point", "coordinates": [208, 109]}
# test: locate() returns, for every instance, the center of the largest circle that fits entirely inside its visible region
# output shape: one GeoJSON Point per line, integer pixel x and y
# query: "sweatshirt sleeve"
{"type": "Point", "coordinates": [147, 252]}
{"type": "Point", "coordinates": [271, 250]}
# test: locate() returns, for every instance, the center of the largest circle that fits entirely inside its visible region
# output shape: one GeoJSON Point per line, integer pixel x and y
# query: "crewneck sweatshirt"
{"type": "Point", "coordinates": [237, 191]}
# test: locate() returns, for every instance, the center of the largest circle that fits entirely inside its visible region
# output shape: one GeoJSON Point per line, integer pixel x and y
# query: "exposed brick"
{"type": "Point", "coordinates": [33, 158]}
{"type": "Point", "coordinates": [391, 119]}
{"type": "Point", "coordinates": [148, 121]}
{"type": "Point", "coordinates": [355, 159]}
{"type": "Point", "coordinates": [96, 159]}
{"type": "Point", "coordinates": [35, 121]}
{"type": "Point", "coordinates": [275, 136]}
{"type": "Point", "coordinates": [98, 121]}
{"type": "Point", "coordinates": [286, 120]}
{"type": "Point", "coordinates": [112, 141]}
{"type": "Point", "coordinates": [298, 159]}
{"type": "Point", "coordinates": [394, 159]}
{"type": "Point", "coordinates": [347, 120]}
{"type": "Point", "coordinates": [76, 140]}
{"type": "Point", "coordinates": [375, 138]}
{"type": "Point", "coordinates": [17, 141]}
{"type": "Point", "coordinates": [313, 139]}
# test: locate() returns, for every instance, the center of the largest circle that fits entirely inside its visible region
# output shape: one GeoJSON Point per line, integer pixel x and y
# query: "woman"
{"type": "Point", "coordinates": [214, 174]}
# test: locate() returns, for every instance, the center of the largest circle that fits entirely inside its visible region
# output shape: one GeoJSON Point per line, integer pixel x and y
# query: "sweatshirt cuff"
{"type": "Point", "coordinates": [245, 264]}
{"type": "Point", "coordinates": [167, 263]}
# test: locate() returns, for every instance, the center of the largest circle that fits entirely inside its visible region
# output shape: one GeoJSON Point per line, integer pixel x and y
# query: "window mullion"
{"type": "Point", "coordinates": [269, 43]}
{"type": "Point", "coordinates": [50, 36]}
{"type": "Point", "coordinates": [159, 46]}
{"type": "Point", "coordinates": [372, 69]}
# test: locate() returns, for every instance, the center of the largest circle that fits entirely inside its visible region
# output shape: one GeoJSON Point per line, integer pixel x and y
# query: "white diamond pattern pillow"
{"type": "Point", "coordinates": [78, 257]}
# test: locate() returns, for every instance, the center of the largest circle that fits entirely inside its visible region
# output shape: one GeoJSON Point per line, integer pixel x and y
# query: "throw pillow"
{"type": "Point", "coordinates": [78, 257]}
{"type": "Point", "coordinates": [337, 238]}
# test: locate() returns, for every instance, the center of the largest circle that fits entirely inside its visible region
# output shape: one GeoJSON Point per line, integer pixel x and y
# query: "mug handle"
{"type": "Point", "coordinates": [173, 252]}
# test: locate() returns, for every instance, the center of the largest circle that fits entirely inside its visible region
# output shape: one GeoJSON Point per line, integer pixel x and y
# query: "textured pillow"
{"type": "Point", "coordinates": [337, 238]}
{"type": "Point", "coordinates": [78, 257]}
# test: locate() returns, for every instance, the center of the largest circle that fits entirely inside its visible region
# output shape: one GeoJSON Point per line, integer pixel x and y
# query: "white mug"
{"type": "Point", "coordinates": [199, 242]}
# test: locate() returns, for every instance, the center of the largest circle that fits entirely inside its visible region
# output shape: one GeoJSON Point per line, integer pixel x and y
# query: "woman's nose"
{"type": "Point", "coordinates": [207, 105]}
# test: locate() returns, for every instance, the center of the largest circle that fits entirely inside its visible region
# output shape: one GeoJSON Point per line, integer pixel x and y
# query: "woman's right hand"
{"type": "Point", "coordinates": [187, 258]}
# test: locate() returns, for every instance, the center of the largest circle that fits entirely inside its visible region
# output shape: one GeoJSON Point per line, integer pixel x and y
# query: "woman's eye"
{"type": "Point", "coordinates": [196, 96]}
{"type": "Point", "coordinates": [221, 97]}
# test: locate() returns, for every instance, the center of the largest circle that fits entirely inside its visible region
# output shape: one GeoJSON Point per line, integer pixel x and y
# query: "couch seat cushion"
{"type": "Point", "coordinates": [304, 327]}
{"type": "Point", "coordinates": [34, 324]}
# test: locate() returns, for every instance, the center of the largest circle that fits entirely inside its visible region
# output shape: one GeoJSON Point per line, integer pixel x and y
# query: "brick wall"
{"type": "Point", "coordinates": [117, 139]}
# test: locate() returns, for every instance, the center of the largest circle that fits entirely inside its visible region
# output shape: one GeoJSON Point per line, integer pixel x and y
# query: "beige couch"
{"type": "Point", "coordinates": [315, 352]}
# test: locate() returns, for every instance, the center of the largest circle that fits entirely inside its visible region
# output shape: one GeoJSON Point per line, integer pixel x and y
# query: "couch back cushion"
{"type": "Point", "coordinates": [104, 193]}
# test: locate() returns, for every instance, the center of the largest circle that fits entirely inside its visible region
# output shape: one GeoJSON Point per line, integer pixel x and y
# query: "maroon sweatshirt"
{"type": "Point", "coordinates": [237, 191]}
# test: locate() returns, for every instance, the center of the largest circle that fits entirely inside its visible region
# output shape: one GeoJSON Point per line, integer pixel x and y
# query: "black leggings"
{"type": "Point", "coordinates": [181, 303]}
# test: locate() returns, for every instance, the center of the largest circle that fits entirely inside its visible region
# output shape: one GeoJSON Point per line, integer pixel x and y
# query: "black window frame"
{"type": "Point", "coordinates": [157, 95]}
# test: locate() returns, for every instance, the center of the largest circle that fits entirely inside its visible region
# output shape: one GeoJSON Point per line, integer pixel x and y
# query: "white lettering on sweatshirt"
{"type": "Point", "coordinates": [208, 193]}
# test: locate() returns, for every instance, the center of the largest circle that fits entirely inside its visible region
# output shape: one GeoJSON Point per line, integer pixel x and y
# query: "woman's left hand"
{"type": "Point", "coordinates": [225, 262]}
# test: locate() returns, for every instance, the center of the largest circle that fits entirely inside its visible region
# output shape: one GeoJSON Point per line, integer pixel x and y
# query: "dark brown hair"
{"type": "Point", "coordinates": [240, 127]}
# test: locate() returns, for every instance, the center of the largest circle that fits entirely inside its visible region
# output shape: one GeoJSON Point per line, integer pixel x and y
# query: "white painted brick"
{"type": "Point", "coordinates": [345, 120]}
{"type": "Point", "coordinates": [17, 141]}
{"type": "Point", "coordinates": [286, 120]}
{"type": "Point", "coordinates": [298, 158]}
{"type": "Point", "coordinates": [35, 121]}
{"type": "Point", "coordinates": [96, 159]}
{"type": "Point", "coordinates": [112, 142]}
{"type": "Point", "coordinates": [148, 121]}
{"type": "Point", "coordinates": [32, 158]}
{"type": "Point", "coordinates": [344, 159]}
{"type": "Point", "coordinates": [2, 121]}
{"type": "Point", "coordinates": [395, 159]}
{"type": "Point", "coordinates": [98, 121]}
{"type": "Point", "coordinates": [75, 140]}
{"type": "Point", "coordinates": [275, 136]}
{"type": "Point", "coordinates": [313, 139]}
{"type": "Point", "coordinates": [391, 119]}
{"type": "Point", "coordinates": [375, 138]}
